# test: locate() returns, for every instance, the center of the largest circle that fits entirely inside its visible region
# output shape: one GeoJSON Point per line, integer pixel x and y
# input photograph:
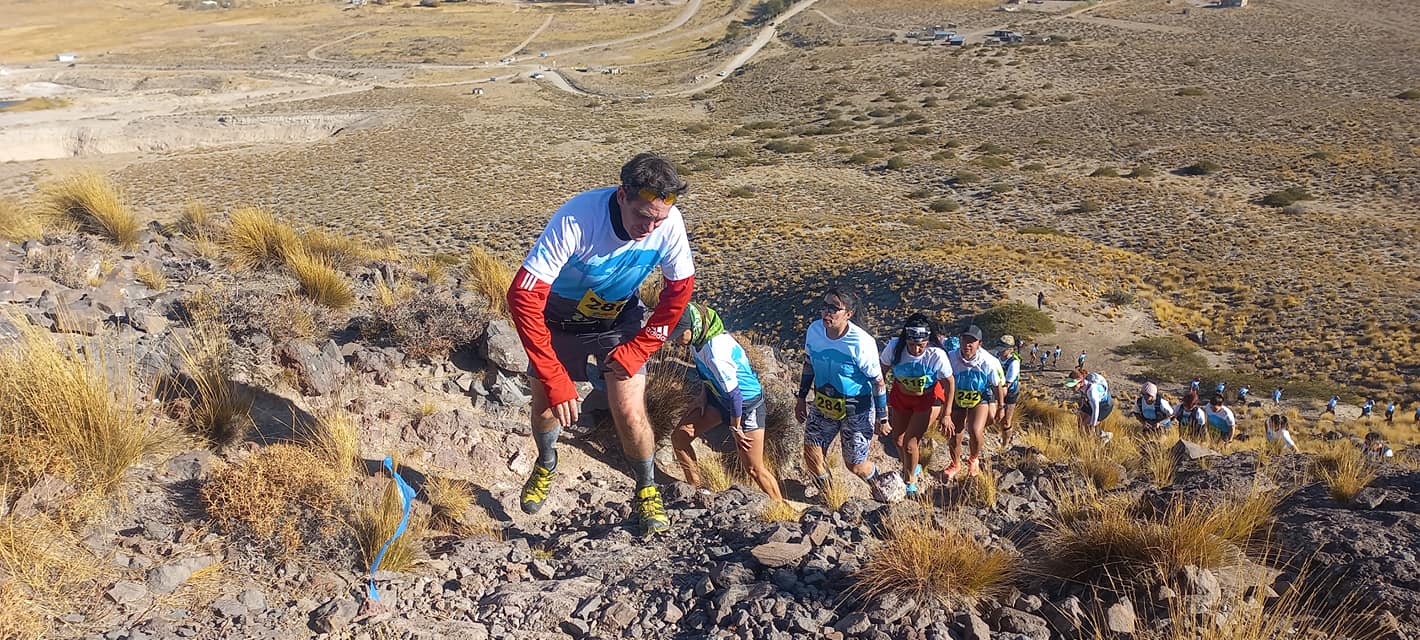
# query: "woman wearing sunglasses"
{"type": "Point", "coordinates": [841, 367]}
{"type": "Point", "coordinates": [731, 395]}
{"type": "Point", "coordinates": [921, 383]}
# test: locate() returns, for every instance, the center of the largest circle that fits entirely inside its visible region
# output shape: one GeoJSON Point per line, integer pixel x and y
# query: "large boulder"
{"type": "Point", "coordinates": [319, 370]}
{"type": "Point", "coordinates": [501, 347]}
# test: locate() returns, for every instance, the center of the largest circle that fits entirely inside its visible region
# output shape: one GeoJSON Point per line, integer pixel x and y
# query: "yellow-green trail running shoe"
{"type": "Point", "coordinates": [535, 489]}
{"type": "Point", "coordinates": [651, 510]}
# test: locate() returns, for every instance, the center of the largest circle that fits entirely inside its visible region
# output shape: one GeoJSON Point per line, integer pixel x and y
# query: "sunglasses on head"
{"type": "Point", "coordinates": [651, 195]}
{"type": "Point", "coordinates": [917, 334]}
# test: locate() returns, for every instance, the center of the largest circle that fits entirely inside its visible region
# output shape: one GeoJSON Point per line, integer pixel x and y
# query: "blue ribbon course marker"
{"type": "Point", "coordinates": [406, 495]}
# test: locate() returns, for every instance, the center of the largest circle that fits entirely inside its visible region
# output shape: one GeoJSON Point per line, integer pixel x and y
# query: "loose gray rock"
{"type": "Point", "coordinates": [333, 615]}
{"type": "Point", "coordinates": [778, 554]}
{"type": "Point", "coordinates": [1199, 583]}
{"type": "Point", "coordinates": [168, 577]}
{"type": "Point", "coordinates": [318, 370]}
{"type": "Point", "coordinates": [127, 591]}
{"type": "Point", "coordinates": [229, 607]}
{"type": "Point", "coordinates": [253, 600]}
{"type": "Point", "coordinates": [1120, 617]}
{"type": "Point", "coordinates": [502, 347]}
{"type": "Point", "coordinates": [1186, 450]}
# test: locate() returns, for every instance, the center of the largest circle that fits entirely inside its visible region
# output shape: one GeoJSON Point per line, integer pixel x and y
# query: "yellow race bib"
{"type": "Point", "coordinates": [593, 306]}
{"type": "Point", "coordinates": [913, 386]}
{"type": "Point", "coordinates": [968, 399]}
{"type": "Point", "coordinates": [831, 408]}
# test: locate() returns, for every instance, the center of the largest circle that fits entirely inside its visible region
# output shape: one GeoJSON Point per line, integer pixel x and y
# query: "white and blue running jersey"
{"type": "Point", "coordinates": [976, 378]}
{"type": "Point", "coordinates": [724, 367]}
{"type": "Point", "coordinates": [580, 254]}
{"type": "Point", "coordinates": [846, 367]}
{"type": "Point", "coordinates": [914, 375]}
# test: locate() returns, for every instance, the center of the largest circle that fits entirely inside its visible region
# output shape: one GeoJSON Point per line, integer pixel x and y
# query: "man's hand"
{"type": "Point", "coordinates": [945, 423]}
{"type": "Point", "coordinates": [567, 412]}
{"type": "Point", "coordinates": [801, 410]}
{"type": "Point", "coordinates": [884, 427]}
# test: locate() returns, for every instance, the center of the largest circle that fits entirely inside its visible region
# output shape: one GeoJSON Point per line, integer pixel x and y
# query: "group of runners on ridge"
{"type": "Point", "coordinates": [574, 303]}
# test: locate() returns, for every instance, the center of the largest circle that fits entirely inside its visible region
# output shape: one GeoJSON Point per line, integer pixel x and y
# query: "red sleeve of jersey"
{"type": "Point", "coordinates": [634, 354]}
{"type": "Point", "coordinates": [527, 299]}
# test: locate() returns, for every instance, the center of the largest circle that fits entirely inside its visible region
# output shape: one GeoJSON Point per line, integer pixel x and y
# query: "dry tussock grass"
{"type": "Point", "coordinates": [450, 501]}
{"type": "Point", "coordinates": [1298, 613]}
{"type": "Point", "coordinates": [61, 414]}
{"type": "Point", "coordinates": [487, 275]}
{"type": "Point", "coordinates": [338, 251]}
{"type": "Point", "coordinates": [780, 511]}
{"type": "Point", "coordinates": [284, 497]}
{"type": "Point", "coordinates": [17, 224]}
{"type": "Point", "coordinates": [835, 493]}
{"type": "Point", "coordinates": [91, 203]}
{"type": "Point", "coordinates": [668, 394]}
{"type": "Point", "coordinates": [1343, 469]}
{"type": "Point", "coordinates": [220, 408]}
{"type": "Point", "coordinates": [48, 573]}
{"type": "Point", "coordinates": [255, 238]}
{"type": "Point", "coordinates": [151, 275]}
{"type": "Point", "coordinates": [713, 473]}
{"type": "Point", "coordinates": [1107, 541]}
{"type": "Point", "coordinates": [377, 520]}
{"type": "Point", "coordinates": [335, 438]}
{"type": "Point", "coordinates": [319, 279]}
{"type": "Point", "coordinates": [936, 563]}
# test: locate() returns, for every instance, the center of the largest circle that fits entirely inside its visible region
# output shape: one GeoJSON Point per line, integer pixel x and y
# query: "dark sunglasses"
{"type": "Point", "coordinates": [828, 308]}
{"type": "Point", "coordinates": [651, 195]}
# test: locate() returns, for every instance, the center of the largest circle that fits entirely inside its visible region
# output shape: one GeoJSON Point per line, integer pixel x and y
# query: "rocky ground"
{"type": "Point", "coordinates": [579, 570]}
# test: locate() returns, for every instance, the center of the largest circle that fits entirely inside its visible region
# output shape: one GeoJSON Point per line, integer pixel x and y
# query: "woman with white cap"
{"type": "Point", "coordinates": [1095, 402]}
{"type": "Point", "coordinates": [980, 390]}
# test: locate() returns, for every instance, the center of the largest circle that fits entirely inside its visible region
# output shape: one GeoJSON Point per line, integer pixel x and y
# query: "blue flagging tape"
{"type": "Point", "coordinates": [406, 495]}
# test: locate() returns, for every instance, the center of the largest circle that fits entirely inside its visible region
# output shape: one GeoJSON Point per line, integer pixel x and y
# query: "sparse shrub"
{"type": "Point", "coordinates": [921, 192]}
{"type": "Point", "coordinates": [1190, 91]}
{"type": "Point", "coordinates": [62, 414]}
{"type": "Point", "coordinates": [790, 146]}
{"type": "Point", "coordinates": [1202, 168]}
{"type": "Point", "coordinates": [94, 205]}
{"type": "Point", "coordinates": [1142, 171]}
{"type": "Point", "coordinates": [1001, 187]}
{"type": "Point", "coordinates": [944, 154]}
{"type": "Point", "coordinates": [991, 162]}
{"type": "Point", "coordinates": [432, 324]}
{"type": "Point", "coordinates": [283, 498]}
{"type": "Point", "coordinates": [1014, 318]}
{"type": "Point", "coordinates": [255, 238]}
{"type": "Point", "coordinates": [17, 224]}
{"type": "Point", "coordinates": [1105, 172]}
{"type": "Point", "coordinates": [491, 277]}
{"type": "Point", "coordinates": [1286, 197]}
{"type": "Point", "coordinates": [943, 205]}
{"type": "Point", "coordinates": [1033, 166]}
{"type": "Point", "coordinates": [1409, 94]}
{"type": "Point", "coordinates": [1119, 297]}
{"type": "Point", "coordinates": [933, 563]}
{"type": "Point", "coordinates": [966, 177]}
{"type": "Point", "coordinates": [1040, 230]}
{"type": "Point", "coordinates": [320, 281]}
{"type": "Point", "coordinates": [1088, 205]}
{"type": "Point", "coordinates": [698, 128]}
{"type": "Point", "coordinates": [896, 163]}
{"type": "Point", "coordinates": [744, 191]}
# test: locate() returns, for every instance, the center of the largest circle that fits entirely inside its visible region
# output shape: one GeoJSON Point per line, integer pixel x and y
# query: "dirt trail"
{"type": "Point", "coordinates": [536, 32]}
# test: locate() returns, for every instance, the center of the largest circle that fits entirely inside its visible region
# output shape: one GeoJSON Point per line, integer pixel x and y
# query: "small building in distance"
{"type": "Point", "coordinates": [65, 57]}
{"type": "Point", "coordinates": [1232, 3]}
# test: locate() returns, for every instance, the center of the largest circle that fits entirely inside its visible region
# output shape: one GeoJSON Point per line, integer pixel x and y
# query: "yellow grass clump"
{"type": "Point", "coordinates": [1098, 539]}
{"type": "Point", "coordinates": [48, 574]}
{"type": "Point", "coordinates": [151, 275]}
{"type": "Point", "coordinates": [255, 238]}
{"type": "Point", "coordinates": [93, 204]}
{"type": "Point", "coordinates": [320, 281]}
{"type": "Point", "coordinates": [454, 509]}
{"type": "Point", "coordinates": [17, 224]}
{"type": "Point", "coordinates": [60, 414]}
{"type": "Point", "coordinates": [334, 436]}
{"type": "Point", "coordinates": [835, 494]}
{"type": "Point", "coordinates": [220, 408]}
{"type": "Point", "coordinates": [283, 495]}
{"type": "Point", "coordinates": [489, 276]}
{"type": "Point", "coordinates": [39, 103]}
{"type": "Point", "coordinates": [936, 563]}
{"type": "Point", "coordinates": [713, 474]}
{"type": "Point", "coordinates": [376, 521]}
{"type": "Point", "coordinates": [1344, 470]}
{"type": "Point", "coordinates": [338, 251]}
{"type": "Point", "coordinates": [780, 511]}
